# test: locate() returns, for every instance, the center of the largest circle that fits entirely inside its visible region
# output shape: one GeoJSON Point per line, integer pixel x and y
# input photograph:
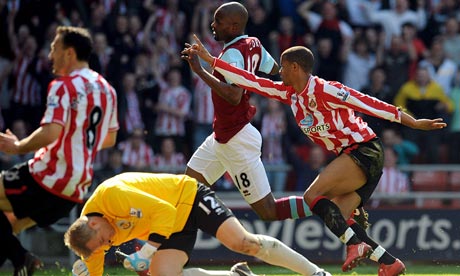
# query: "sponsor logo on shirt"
{"type": "Point", "coordinates": [53, 101]}
{"type": "Point", "coordinates": [307, 121]}
{"type": "Point", "coordinates": [343, 95]}
{"type": "Point", "coordinates": [313, 129]}
{"type": "Point", "coordinates": [135, 212]}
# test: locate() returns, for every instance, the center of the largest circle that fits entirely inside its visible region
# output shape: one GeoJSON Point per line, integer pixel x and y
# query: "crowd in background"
{"type": "Point", "coordinates": [405, 52]}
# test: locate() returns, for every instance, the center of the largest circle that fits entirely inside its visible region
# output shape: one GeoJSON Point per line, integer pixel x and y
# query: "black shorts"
{"type": "Point", "coordinates": [207, 214]}
{"type": "Point", "coordinates": [369, 157]}
{"type": "Point", "coordinates": [29, 199]}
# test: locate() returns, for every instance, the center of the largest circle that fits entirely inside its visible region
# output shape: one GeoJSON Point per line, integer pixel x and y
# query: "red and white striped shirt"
{"type": "Point", "coordinates": [140, 157]}
{"type": "Point", "coordinates": [180, 99]}
{"type": "Point", "coordinates": [27, 89]}
{"type": "Point", "coordinates": [202, 98]}
{"type": "Point", "coordinates": [324, 110]}
{"type": "Point", "coordinates": [174, 164]}
{"type": "Point", "coordinates": [393, 181]}
{"type": "Point", "coordinates": [85, 104]}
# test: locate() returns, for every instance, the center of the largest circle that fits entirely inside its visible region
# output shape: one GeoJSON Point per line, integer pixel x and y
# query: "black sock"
{"type": "Point", "coordinates": [386, 258]}
{"type": "Point", "coordinates": [332, 217]}
{"type": "Point", "coordinates": [11, 247]}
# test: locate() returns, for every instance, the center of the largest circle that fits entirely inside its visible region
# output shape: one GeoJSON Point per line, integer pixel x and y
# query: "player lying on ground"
{"type": "Point", "coordinates": [166, 211]}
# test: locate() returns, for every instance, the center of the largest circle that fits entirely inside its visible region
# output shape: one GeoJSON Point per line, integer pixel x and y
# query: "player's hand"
{"type": "Point", "coordinates": [140, 260]}
{"type": "Point", "coordinates": [427, 124]}
{"type": "Point", "coordinates": [199, 49]}
{"type": "Point", "coordinates": [191, 58]}
{"type": "Point", "coordinates": [8, 142]}
{"type": "Point", "coordinates": [79, 269]}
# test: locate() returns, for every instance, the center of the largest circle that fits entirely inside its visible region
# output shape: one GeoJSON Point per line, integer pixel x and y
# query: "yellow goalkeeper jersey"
{"type": "Point", "coordinates": [140, 204]}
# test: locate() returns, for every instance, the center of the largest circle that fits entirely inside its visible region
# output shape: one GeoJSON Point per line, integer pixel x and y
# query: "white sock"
{"type": "Point", "coordinates": [202, 272]}
{"type": "Point", "coordinates": [275, 252]}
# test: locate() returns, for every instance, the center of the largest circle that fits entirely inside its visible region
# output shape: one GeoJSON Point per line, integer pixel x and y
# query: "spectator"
{"type": "Point", "coordinates": [451, 40]}
{"type": "Point", "coordinates": [307, 168]}
{"type": "Point", "coordinates": [405, 149]}
{"type": "Point", "coordinates": [286, 36]}
{"type": "Point", "coordinates": [26, 96]}
{"type": "Point", "coordinates": [393, 19]}
{"type": "Point", "coordinates": [273, 130]}
{"type": "Point", "coordinates": [148, 90]}
{"type": "Point", "coordinates": [327, 25]}
{"type": "Point", "coordinates": [454, 130]}
{"type": "Point", "coordinates": [396, 62]}
{"type": "Point", "coordinates": [102, 54]}
{"type": "Point", "coordinates": [112, 167]}
{"type": "Point", "coordinates": [358, 63]}
{"type": "Point", "coordinates": [392, 182]}
{"type": "Point", "coordinates": [378, 88]}
{"type": "Point", "coordinates": [173, 109]}
{"type": "Point", "coordinates": [441, 68]}
{"type": "Point", "coordinates": [136, 152]}
{"type": "Point", "coordinates": [413, 44]}
{"type": "Point", "coordinates": [129, 104]}
{"type": "Point", "coordinates": [328, 67]}
{"type": "Point", "coordinates": [168, 160]}
{"type": "Point", "coordinates": [260, 24]}
{"type": "Point", "coordinates": [422, 97]}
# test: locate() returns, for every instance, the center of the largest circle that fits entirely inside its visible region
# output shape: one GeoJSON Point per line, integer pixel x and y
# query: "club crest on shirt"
{"type": "Point", "coordinates": [312, 103]}
{"type": "Point", "coordinates": [343, 95]}
{"type": "Point", "coordinates": [135, 212]}
{"type": "Point", "coordinates": [123, 224]}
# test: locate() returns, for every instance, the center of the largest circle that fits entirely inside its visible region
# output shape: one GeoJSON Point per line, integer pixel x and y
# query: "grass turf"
{"type": "Point", "coordinates": [365, 270]}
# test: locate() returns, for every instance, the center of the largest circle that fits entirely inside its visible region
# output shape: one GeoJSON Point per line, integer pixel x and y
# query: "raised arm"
{"type": "Point", "coordinates": [231, 93]}
{"type": "Point", "coordinates": [422, 124]}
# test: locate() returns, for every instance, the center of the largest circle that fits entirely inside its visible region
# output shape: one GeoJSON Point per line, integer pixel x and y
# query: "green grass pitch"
{"type": "Point", "coordinates": [365, 270]}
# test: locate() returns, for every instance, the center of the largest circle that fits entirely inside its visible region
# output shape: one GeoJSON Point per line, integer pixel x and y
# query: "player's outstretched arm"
{"type": "Point", "coordinates": [422, 124]}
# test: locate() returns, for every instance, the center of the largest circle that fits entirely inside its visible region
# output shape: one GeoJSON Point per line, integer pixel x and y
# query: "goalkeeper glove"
{"type": "Point", "coordinates": [140, 260]}
{"type": "Point", "coordinates": [79, 269]}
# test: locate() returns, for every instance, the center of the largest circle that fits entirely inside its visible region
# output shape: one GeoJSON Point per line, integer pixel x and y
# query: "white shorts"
{"type": "Point", "coordinates": [240, 156]}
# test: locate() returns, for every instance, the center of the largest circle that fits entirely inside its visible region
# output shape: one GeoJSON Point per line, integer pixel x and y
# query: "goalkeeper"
{"type": "Point", "coordinates": [166, 210]}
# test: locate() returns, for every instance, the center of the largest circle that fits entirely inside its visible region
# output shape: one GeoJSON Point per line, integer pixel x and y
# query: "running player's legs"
{"type": "Point", "coordinates": [204, 165]}
{"type": "Point", "coordinates": [241, 157]}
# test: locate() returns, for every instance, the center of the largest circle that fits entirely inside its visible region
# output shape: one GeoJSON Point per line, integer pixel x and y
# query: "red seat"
{"type": "Point", "coordinates": [454, 181]}
{"type": "Point", "coordinates": [430, 181]}
{"type": "Point", "coordinates": [433, 203]}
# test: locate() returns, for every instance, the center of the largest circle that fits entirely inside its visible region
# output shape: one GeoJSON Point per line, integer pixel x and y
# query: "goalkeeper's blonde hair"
{"type": "Point", "coordinates": [78, 235]}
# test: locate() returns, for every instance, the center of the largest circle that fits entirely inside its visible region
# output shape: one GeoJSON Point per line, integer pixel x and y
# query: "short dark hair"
{"type": "Point", "coordinates": [77, 38]}
{"type": "Point", "coordinates": [300, 55]}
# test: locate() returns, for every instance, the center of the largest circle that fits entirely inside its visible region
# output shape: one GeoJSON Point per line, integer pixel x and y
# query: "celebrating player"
{"type": "Point", "coordinates": [80, 119]}
{"type": "Point", "coordinates": [324, 110]}
{"type": "Point", "coordinates": [235, 145]}
{"type": "Point", "coordinates": [166, 211]}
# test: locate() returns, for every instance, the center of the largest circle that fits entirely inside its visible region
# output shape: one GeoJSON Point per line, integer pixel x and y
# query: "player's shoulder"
{"type": "Point", "coordinates": [246, 41]}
